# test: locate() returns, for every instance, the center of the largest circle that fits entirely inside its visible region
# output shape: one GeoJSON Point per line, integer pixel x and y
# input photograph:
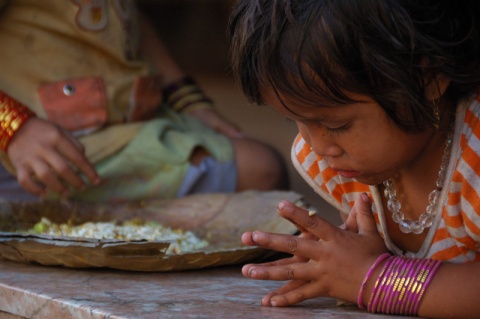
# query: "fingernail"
{"type": "Point", "coordinates": [255, 236]}
{"type": "Point", "coordinates": [273, 303]}
{"type": "Point", "coordinates": [285, 206]}
{"type": "Point", "coordinates": [365, 198]}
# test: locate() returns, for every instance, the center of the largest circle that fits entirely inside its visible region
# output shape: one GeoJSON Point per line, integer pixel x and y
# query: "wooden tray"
{"type": "Point", "coordinates": [219, 218]}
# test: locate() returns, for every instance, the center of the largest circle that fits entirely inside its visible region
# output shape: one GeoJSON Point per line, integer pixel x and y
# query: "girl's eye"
{"type": "Point", "coordinates": [338, 129]}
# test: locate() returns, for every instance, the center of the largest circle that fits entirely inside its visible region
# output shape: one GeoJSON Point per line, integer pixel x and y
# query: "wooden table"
{"type": "Point", "coordinates": [34, 291]}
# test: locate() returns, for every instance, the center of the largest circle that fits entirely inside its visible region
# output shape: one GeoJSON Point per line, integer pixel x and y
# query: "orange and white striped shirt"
{"type": "Point", "coordinates": [455, 233]}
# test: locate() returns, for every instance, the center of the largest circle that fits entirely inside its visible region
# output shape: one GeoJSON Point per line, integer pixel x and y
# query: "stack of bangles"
{"type": "Point", "coordinates": [400, 286]}
{"type": "Point", "coordinates": [184, 95]}
{"type": "Point", "coordinates": [12, 116]}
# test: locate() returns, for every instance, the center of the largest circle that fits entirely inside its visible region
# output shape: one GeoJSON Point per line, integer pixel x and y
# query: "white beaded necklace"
{"type": "Point", "coordinates": [426, 219]}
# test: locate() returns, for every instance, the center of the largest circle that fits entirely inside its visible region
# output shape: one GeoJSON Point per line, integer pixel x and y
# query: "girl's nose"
{"type": "Point", "coordinates": [321, 143]}
{"type": "Point", "coordinates": [325, 149]}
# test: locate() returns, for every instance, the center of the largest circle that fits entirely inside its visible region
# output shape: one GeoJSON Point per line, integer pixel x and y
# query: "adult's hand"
{"type": "Point", "coordinates": [46, 157]}
{"type": "Point", "coordinates": [215, 121]}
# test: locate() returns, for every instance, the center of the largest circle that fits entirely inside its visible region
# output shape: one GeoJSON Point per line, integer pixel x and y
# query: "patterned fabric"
{"type": "Point", "coordinates": [455, 234]}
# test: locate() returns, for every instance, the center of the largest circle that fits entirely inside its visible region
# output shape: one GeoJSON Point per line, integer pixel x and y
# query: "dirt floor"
{"type": "Point", "coordinates": [195, 33]}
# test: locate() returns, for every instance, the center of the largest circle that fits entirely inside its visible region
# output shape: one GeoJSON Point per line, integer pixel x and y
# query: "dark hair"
{"type": "Point", "coordinates": [382, 48]}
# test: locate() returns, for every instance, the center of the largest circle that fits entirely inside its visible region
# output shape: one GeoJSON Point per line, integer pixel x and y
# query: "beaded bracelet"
{"type": "Point", "coordinates": [367, 276]}
{"type": "Point", "coordinates": [12, 116]}
{"type": "Point", "coordinates": [184, 95]}
{"type": "Point", "coordinates": [400, 287]}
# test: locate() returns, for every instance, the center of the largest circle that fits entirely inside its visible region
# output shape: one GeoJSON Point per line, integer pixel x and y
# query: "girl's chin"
{"type": "Point", "coordinates": [369, 181]}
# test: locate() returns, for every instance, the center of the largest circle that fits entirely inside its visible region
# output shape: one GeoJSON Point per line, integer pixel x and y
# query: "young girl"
{"type": "Point", "coordinates": [384, 96]}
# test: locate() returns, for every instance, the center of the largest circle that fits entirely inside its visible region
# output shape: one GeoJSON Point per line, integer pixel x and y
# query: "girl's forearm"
{"type": "Point", "coordinates": [453, 293]}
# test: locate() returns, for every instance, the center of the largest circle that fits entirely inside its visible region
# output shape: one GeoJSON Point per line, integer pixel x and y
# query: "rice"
{"type": "Point", "coordinates": [181, 241]}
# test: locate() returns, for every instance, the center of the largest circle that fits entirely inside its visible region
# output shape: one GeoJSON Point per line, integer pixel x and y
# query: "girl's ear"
{"type": "Point", "coordinates": [435, 87]}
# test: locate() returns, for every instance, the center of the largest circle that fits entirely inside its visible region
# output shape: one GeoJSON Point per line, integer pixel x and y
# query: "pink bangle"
{"type": "Point", "coordinates": [433, 271]}
{"type": "Point", "coordinates": [390, 288]}
{"type": "Point", "coordinates": [402, 287]}
{"type": "Point", "coordinates": [367, 276]}
{"type": "Point", "coordinates": [386, 290]}
{"type": "Point", "coordinates": [417, 277]}
{"type": "Point", "coordinates": [373, 302]}
{"type": "Point", "coordinates": [425, 275]}
{"type": "Point", "coordinates": [410, 292]}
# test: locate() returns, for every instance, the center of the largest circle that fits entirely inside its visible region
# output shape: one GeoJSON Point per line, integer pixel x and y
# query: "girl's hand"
{"type": "Point", "coordinates": [212, 119]}
{"type": "Point", "coordinates": [46, 157]}
{"type": "Point", "coordinates": [327, 260]}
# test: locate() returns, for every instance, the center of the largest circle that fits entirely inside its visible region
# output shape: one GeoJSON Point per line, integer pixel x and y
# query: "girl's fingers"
{"type": "Point", "coordinates": [351, 222]}
{"type": "Point", "coordinates": [365, 221]}
{"type": "Point", "coordinates": [305, 248]}
{"type": "Point", "coordinates": [308, 236]}
{"type": "Point", "coordinates": [247, 238]}
{"type": "Point", "coordinates": [308, 224]}
{"type": "Point", "coordinates": [280, 262]}
{"type": "Point", "coordinates": [304, 291]}
{"type": "Point", "coordinates": [289, 286]}
{"type": "Point", "coordinates": [297, 271]}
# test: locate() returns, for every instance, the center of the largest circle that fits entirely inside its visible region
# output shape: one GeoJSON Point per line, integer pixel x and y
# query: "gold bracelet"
{"type": "Point", "coordinates": [12, 116]}
{"type": "Point", "coordinates": [186, 96]}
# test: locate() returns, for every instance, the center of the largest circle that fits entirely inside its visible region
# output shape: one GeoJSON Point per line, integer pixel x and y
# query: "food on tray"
{"type": "Point", "coordinates": [135, 229]}
{"type": "Point", "coordinates": [219, 218]}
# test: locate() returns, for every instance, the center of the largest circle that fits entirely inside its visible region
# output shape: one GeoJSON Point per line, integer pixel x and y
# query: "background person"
{"type": "Point", "coordinates": [94, 108]}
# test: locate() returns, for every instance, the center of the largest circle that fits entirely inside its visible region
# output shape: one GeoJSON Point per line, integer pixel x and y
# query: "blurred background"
{"type": "Point", "coordinates": [195, 33]}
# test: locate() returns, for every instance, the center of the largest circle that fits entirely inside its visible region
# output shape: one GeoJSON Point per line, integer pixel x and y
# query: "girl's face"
{"type": "Point", "coordinates": [358, 140]}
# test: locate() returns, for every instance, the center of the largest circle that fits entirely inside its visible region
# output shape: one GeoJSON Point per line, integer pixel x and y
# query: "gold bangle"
{"type": "Point", "coordinates": [12, 116]}
{"type": "Point", "coordinates": [185, 96]}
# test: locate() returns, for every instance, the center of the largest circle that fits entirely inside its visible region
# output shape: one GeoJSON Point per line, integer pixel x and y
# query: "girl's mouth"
{"type": "Point", "coordinates": [347, 173]}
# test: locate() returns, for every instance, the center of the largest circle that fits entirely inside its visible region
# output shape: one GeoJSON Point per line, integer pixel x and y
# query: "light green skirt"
{"type": "Point", "coordinates": [154, 163]}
